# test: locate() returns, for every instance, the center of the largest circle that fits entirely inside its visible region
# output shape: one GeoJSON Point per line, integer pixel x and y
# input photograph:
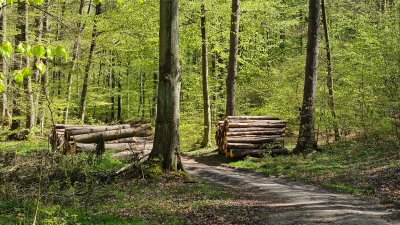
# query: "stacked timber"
{"type": "Point", "coordinates": [87, 138]}
{"type": "Point", "coordinates": [241, 136]}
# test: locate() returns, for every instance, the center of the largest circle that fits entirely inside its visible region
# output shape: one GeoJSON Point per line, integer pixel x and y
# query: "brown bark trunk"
{"type": "Point", "coordinates": [306, 141]}
{"type": "Point", "coordinates": [75, 56]}
{"type": "Point", "coordinates": [331, 100]}
{"type": "Point", "coordinates": [5, 114]}
{"type": "Point", "coordinates": [206, 99]}
{"type": "Point", "coordinates": [81, 147]}
{"type": "Point", "coordinates": [89, 64]}
{"type": "Point", "coordinates": [166, 140]}
{"type": "Point", "coordinates": [233, 59]}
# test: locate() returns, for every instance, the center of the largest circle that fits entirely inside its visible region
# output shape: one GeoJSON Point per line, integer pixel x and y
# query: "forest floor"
{"type": "Point", "coordinates": [54, 189]}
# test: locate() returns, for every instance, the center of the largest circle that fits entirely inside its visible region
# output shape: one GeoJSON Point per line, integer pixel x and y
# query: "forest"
{"type": "Point", "coordinates": [199, 112]}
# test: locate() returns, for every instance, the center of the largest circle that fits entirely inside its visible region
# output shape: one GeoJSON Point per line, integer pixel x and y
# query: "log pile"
{"type": "Point", "coordinates": [71, 139]}
{"type": "Point", "coordinates": [241, 136]}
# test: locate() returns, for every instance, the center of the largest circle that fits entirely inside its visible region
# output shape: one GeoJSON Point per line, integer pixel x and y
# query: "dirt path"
{"type": "Point", "coordinates": [268, 200]}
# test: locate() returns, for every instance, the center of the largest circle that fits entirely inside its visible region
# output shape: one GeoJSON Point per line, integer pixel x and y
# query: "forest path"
{"type": "Point", "coordinates": [269, 200]}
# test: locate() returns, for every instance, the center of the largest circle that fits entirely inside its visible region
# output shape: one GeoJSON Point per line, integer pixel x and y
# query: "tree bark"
{"type": "Point", "coordinates": [233, 59]}
{"type": "Point", "coordinates": [5, 114]}
{"type": "Point", "coordinates": [331, 98]}
{"type": "Point", "coordinates": [206, 99]}
{"type": "Point", "coordinates": [119, 99]}
{"type": "Point", "coordinates": [89, 64]}
{"type": "Point", "coordinates": [75, 55]}
{"type": "Point", "coordinates": [167, 138]}
{"type": "Point", "coordinates": [306, 141]}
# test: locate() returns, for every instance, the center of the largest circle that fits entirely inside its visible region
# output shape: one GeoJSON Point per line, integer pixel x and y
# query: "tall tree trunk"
{"type": "Point", "coordinates": [21, 26]}
{"type": "Point", "coordinates": [233, 59]}
{"type": "Point", "coordinates": [89, 64]}
{"type": "Point", "coordinates": [142, 96]}
{"type": "Point", "coordinates": [331, 100]}
{"type": "Point", "coordinates": [112, 98]}
{"type": "Point", "coordinates": [75, 56]}
{"type": "Point", "coordinates": [306, 141]}
{"type": "Point", "coordinates": [23, 10]}
{"type": "Point", "coordinates": [167, 138]}
{"type": "Point", "coordinates": [119, 99]}
{"type": "Point", "coordinates": [37, 90]}
{"type": "Point", "coordinates": [206, 99]}
{"type": "Point", "coordinates": [5, 114]}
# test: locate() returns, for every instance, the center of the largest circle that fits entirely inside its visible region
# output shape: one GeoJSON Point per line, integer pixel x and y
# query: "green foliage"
{"type": "Point", "coordinates": [18, 76]}
{"type": "Point", "coordinates": [26, 72]}
{"type": "Point", "coordinates": [6, 49]}
{"type": "Point", "coordinates": [39, 51]}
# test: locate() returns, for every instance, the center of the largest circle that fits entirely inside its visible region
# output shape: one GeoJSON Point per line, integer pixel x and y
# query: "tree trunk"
{"type": "Point", "coordinates": [206, 99]}
{"type": "Point", "coordinates": [89, 64]}
{"type": "Point", "coordinates": [167, 138]}
{"type": "Point", "coordinates": [119, 99]}
{"type": "Point", "coordinates": [306, 140]}
{"type": "Point", "coordinates": [233, 59]}
{"type": "Point", "coordinates": [331, 100]}
{"type": "Point", "coordinates": [5, 114]}
{"type": "Point", "coordinates": [75, 55]}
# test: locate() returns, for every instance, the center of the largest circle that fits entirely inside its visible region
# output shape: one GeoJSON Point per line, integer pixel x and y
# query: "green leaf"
{"type": "Point", "coordinates": [97, 1]}
{"type": "Point", "coordinates": [49, 53]}
{"type": "Point", "coordinates": [39, 51]}
{"type": "Point", "coordinates": [41, 67]}
{"type": "Point", "coordinates": [2, 86]}
{"type": "Point", "coordinates": [61, 52]}
{"type": "Point", "coordinates": [10, 2]}
{"type": "Point", "coordinates": [38, 2]}
{"type": "Point", "coordinates": [27, 72]}
{"type": "Point", "coordinates": [20, 48]}
{"type": "Point", "coordinates": [7, 48]}
{"type": "Point", "coordinates": [28, 49]}
{"type": "Point", "coordinates": [18, 76]}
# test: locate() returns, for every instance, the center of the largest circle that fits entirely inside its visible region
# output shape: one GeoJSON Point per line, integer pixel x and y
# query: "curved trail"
{"type": "Point", "coordinates": [268, 200]}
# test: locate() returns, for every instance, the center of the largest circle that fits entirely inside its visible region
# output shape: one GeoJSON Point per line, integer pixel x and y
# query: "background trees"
{"type": "Point", "coordinates": [271, 63]}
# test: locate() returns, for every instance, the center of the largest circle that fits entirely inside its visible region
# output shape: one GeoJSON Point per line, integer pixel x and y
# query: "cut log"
{"type": "Point", "coordinates": [141, 131]}
{"type": "Point", "coordinates": [268, 124]}
{"type": "Point", "coordinates": [86, 130]}
{"type": "Point", "coordinates": [251, 129]}
{"type": "Point", "coordinates": [252, 118]}
{"type": "Point", "coordinates": [266, 132]}
{"type": "Point", "coordinates": [255, 139]}
{"type": "Point", "coordinates": [133, 140]}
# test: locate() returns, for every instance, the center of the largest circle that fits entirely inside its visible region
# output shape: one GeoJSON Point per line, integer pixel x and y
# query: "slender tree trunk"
{"type": "Point", "coordinates": [306, 141]}
{"type": "Point", "coordinates": [5, 114]}
{"type": "Point", "coordinates": [75, 56]}
{"type": "Point", "coordinates": [206, 99]}
{"type": "Point", "coordinates": [233, 59]}
{"type": "Point", "coordinates": [119, 99]}
{"type": "Point", "coordinates": [167, 138]}
{"type": "Point", "coordinates": [37, 89]}
{"type": "Point", "coordinates": [112, 98]}
{"type": "Point", "coordinates": [331, 100]}
{"type": "Point", "coordinates": [23, 9]}
{"type": "Point", "coordinates": [154, 100]}
{"type": "Point", "coordinates": [89, 64]}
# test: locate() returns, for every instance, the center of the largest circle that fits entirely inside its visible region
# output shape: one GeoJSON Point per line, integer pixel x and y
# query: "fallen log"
{"type": "Point", "coordinates": [255, 139]}
{"type": "Point", "coordinates": [133, 140]}
{"type": "Point", "coordinates": [142, 131]}
{"type": "Point", "coordinates": [268, 124]}
{"type": "Point", "coordinates": [252, 118]}
{"type": "Point", "coordinates": [264, 132]}
{"type": "Point", "coordinates": [86, 130]}
{"type": "Point", "coordinates": [251, 129]}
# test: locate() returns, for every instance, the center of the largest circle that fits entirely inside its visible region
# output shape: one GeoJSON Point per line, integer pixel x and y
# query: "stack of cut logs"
{"type": "Point", "coordinates": [124, 138]}
{"type": "Point", "coordinates": [241, 136]}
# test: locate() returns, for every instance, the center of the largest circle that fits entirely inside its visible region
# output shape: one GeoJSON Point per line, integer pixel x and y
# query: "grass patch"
{"type": "Point", "coordinates": [73, 190]}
